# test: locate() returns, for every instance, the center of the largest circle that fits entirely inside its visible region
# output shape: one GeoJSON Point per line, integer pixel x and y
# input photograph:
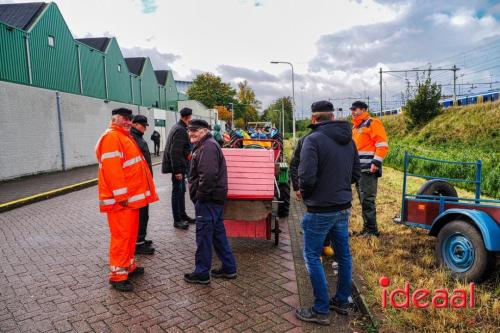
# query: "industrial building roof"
{"type": "Point", "coordinates": [161, 76]}
{"type": "Point", "coordinates": [135, 65]}
{"type": "Point", "coordinates": [100, 43]}
{"type": "Point", "coordinates": [21, 15]}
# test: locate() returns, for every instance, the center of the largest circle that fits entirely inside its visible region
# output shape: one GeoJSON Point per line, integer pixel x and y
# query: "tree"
{"type": "Point", "coordinates": [247, 105]}
{"type": "Point", "coordinates": [224, 113]}
{"type": "Point", "coordinates": [209, 89]}
{"type": "Point", "coordinates": [424, 105]}
{"type": "Point", "coordinates": [275, 117]}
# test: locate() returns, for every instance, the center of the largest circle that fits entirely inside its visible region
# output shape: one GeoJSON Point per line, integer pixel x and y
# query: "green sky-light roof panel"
{"type": "Point", "coordinates": [13, 60]}
{"type": "Point", "coordinates": [171, 91]}
{"type": "Point", "coordinates": [53, 53]}
{"type": "Point", "coordinates": [149, 85]}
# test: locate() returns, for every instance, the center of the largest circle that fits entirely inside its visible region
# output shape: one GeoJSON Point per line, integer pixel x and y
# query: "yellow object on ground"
{"type": "Point", "coordinates": [327, 251]}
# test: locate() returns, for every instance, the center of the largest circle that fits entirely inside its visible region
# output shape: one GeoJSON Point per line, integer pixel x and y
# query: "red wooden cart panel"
{"type": "Point", "coordinates": [250, 174]}
{"type": "Point", "coordinates": [248, 229]}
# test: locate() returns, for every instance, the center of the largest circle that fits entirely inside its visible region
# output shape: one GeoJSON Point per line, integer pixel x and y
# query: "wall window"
{"type": "Point", "coordinates": [119, 68]}
{"type": "Point", "coordinates": [51, 41]}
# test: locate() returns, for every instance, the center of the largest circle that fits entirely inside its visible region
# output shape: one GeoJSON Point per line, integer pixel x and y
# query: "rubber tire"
{"type": "Point", "coordinates": [284, 207]}
{"type": "Point", "coordinates": [437, 187]}
{"type": "Point", "coordinates": [484, 261]}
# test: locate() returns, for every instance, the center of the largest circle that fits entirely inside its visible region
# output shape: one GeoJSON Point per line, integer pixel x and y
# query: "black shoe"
{"type": "Point", "coordinates": [181, 225]}
{"type": "Point", "coordinates": [144, 249]}
{"type": "Point", "coordinates": [197, 278]}
{"type": "Point", "coordinates": [365, 233]}
{"type": "Point", "coordinates": [338, 307]}
{"type": "Point", "coordinates": [309, 315]}
{"type": "Point", "coordinates": [148, 242]}
{"type": "Point", "coordinates": [138, 271]}
{"type": "Point", "coordinates": [124, 286]}
{"type": "Point", "coordinates": [188, 219]}
{"type": "Point", "coordinates": [219, 273]}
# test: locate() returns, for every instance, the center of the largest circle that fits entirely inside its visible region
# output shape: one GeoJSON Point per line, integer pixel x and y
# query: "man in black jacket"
{"type": "Point", "coordinates": [139, 124]}
{"type": "Point", "coordinates": [155, 137]}
{"type": "Point", "coordinates": [175, 161]}
{"type": "Point", "coordinates": [208, 191]}
{"type": "Point", "coordinates": [329, 164]}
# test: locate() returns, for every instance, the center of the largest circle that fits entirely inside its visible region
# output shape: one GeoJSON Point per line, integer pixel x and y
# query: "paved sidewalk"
{"type": "Point", "coordinates": [53, 267]}
{"type": "Point", "coordinates": [31, 185]}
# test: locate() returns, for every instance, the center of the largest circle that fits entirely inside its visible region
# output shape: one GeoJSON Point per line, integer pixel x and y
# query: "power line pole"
{"type": "Point", "coordinates": [454, 84]}
{"type": "Point", "coordinates": [381, 90]}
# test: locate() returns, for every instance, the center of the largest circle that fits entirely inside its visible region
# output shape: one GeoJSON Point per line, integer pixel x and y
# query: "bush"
{"type": "Point", "coordinates": [424, 106]}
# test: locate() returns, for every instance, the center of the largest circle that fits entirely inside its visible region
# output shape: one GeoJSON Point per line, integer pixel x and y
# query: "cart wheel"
{"type": "Point", "coordinates": [284, 205]}
{"type": "Point", "coordinates": [437, 187]}
{"type": "Point", "coordinates": [276, 231]}
{"type": "Point", "coordinates": [460, 248]}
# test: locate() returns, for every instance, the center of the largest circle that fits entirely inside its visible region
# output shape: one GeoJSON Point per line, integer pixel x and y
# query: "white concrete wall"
{"type": "Point", "coordinates": [30, 132]}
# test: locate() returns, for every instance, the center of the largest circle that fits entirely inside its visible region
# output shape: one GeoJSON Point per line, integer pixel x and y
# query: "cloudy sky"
{"type": "Point", "coordinates": [336, 46]}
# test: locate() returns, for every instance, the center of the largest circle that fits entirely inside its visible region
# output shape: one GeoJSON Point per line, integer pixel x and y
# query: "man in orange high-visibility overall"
{"type": "Point", "coordinates": [125, 184]}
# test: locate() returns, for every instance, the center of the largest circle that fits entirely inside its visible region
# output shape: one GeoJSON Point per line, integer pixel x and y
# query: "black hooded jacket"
{"type": "Point", "coordinates": [329, 164]}
{"type": "Point", "coordinates": [143, 146]}
{"type": "Point", "coordinates": [176, 150]}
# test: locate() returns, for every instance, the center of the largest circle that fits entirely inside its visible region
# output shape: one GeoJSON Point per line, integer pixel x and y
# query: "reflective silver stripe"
{"type": "Point", "coordinates": [365, 160]}
{"type": "Point", "coordinates": [100, 165]}
{"type": "Point", "coordinates": [378, 158]}
{"type": "Point", "coordinates": [107, 202]}
{"type": "Point", "coordinates": [118, 270]}
{"type": "Point", "coordinates": [382, 144]}
{"type": "Point", "coordinates": [137, 197]}
{"type": "Point", "coordinates": [148, 193]}
{"type": "Point", "coordinates": [132, 161]}
{"type": "Point", "coordinates": [362, 170]}
{"type": "Point", "coordinates": [111, 154]}
{"type": "Point", "coordinates": [364, 152]}
{"type": "Point", "coordinates": [120, 191]}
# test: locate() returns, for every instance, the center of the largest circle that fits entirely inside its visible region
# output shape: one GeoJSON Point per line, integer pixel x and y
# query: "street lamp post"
{"type": "Point", "coordinates": [232, 116]}
{"type": "Point", "coordinates": [293, 95]}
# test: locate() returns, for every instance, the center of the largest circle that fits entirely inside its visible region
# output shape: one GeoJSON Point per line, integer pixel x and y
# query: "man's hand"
{"type": "Point", "coordinates": [178, 176]}
{"type": "Point", "coordinates": [298, 195]}
{"type": "Point", "coordinates": [123, 203]}
{"type": "Point", "coordinates": [373, 168]}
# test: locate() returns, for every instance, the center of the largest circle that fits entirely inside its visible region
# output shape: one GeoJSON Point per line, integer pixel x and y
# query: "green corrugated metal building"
{"type": "Point", "coordinates": [38, 49]}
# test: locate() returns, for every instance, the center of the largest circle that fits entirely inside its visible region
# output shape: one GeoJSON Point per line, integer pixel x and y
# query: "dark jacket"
{"type": "Point", "coordinates": [155, 137]}
{"type": "Point", "coordinates": [294, 163]}
{"type": "Point", "coordinates": [208, 172]}
{"type": "Point", "coordinates": [143, 146]}
{"type": "Point", "coordinates": [176, 150]}
{"type": "Point", "coordinates": [329, 164]}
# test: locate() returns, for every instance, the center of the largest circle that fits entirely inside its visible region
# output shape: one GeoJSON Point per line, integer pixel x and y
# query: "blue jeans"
{"type": "Point", "coordinates": [178, 198]}
{"type": "Point", "coordinates": [316, 227]}
{"type": "Point", "coordinates": [210, 232]}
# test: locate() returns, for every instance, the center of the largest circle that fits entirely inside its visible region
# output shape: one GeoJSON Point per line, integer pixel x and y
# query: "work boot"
{"type": "Point", "coordinates": [219, 273]}
{"type": "Point", "coordinates": [144, 249]}
{"type": "Point", "coordinates": [148, 242]}
{"type": "Point", "coordinates": [181, 225]}
{"type": "Point", "coordinates": [309, 315]}
{"type": "Point", "coordinates": [342, 308]}
{"type": "Point", "coordinates": [124, 286]}
{"type": "Point", "coordinates": [188, 219]}
{"type": "Point", "coordinates": [197, 278]}
{"type": "Point", "coordinates": [136, 272]}
{"type": "Point", "coordinates": [365, 233]}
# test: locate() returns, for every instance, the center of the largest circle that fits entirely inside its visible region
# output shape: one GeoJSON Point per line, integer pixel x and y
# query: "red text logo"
{"type": "Point", "coordinates": [403, 298]}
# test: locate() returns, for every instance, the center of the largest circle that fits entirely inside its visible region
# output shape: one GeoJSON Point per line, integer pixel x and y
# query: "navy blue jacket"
{"type": "Point", "coordinates": [329, 164]}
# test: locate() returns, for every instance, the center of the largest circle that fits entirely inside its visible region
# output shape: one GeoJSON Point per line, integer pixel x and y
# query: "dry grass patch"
{"type": "Point", "coordinates": [406, 254]}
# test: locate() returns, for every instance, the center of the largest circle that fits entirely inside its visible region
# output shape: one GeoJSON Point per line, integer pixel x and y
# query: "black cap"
{"type": "Point", "coordinates": [186, 112]}
{"type": "Point", "coordinates": [322, 106]}
{"type": "Point", "coordinates": [359, 104]}
{"type": "Point", "coordinates": [123, 111]}
{"type": "Point", "coordinates": [143, 120]}
{"type": "Point", "coordinates": [197, 124]}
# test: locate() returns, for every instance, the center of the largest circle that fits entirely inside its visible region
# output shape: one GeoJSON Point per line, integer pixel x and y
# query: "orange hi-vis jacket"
{"type": "Point", "coordinates": [371, 141]}
{"type": "Point", "coordinates": [123, 173]}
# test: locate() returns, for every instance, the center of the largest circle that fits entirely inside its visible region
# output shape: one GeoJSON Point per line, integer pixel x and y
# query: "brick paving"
{"type": "Point", "coordinates": [53, 267]}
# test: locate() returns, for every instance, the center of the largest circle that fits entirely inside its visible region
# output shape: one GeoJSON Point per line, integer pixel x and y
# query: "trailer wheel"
{"type": "Point", "coordinates": [460, 248]}
{"type": "Point", "coordinates": [437, 187]}
{"type": "Point", "coordinates": [284, 206]}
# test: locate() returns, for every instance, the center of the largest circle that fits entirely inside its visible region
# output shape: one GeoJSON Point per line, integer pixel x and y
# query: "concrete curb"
{"type": "Point", "coordinates": [361, 302]}
{"type": "Point", "coordinates": [49, 194]}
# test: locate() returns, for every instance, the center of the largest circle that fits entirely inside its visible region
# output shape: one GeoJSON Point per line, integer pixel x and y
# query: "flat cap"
{"type": "Point", "coordinates": [143, 120]}
{"type": "Point", "coordinates": [359, 104]}
{"type": "Point", "coordinates": [186, 112]}
{"type": "Point", "coordinates": [322, 106]}
{"type": "Point", "coordinates": [122, 111]}
{"type": "Point", "coordinates": [197, 124]}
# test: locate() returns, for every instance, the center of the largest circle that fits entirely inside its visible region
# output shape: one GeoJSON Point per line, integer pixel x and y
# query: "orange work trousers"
{"type": "Point", "coordinates": [123, 226]}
